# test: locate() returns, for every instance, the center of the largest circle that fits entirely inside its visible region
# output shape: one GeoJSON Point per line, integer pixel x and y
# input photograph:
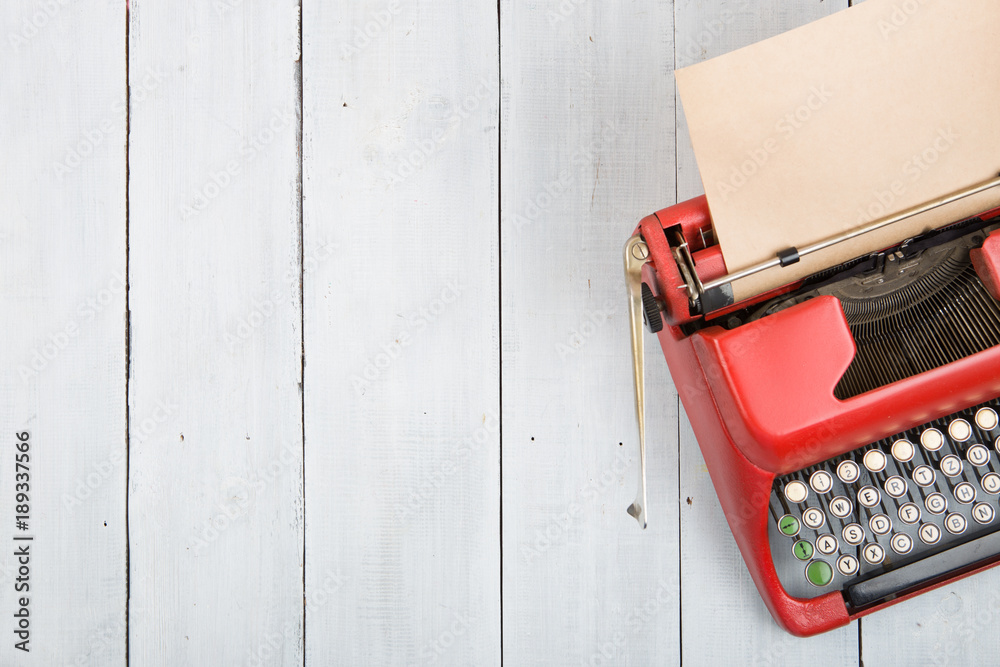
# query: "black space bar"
{"type": "Point", "coordinates": [912, 576]}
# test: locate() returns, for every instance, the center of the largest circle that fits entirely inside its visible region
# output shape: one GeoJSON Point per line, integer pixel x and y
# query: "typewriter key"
{"type": "Point", "coordinates": [880, 524]}
{"type": "Point", "coordinates": [951, 465]}
{"type": "Point", "coordinates": [813, 518]}
{"type": "Point", "coordinates": [788, 525]}
{"type": "Point", "coordinates": [955, 523]}
{"type": "Point", "coordinates": [874, 554]}
{"type": "Point", "coordinates": [848, 472]}
{"type": "Point", "coordinates": [902, 450]}
{"type": "Point", "coordinates": [901, 543]}
{"type": "Point", "coordinates": [796, 492]}
{"type": "Point", "coordinates": [923, 475]}
{"type": "Point", "coordinates": [875, 460]}
{"type": "Point", "coordinates": [959, 430]}
{"type": "Point", "coordinates": [965, 493]}
{"type": "Point", "coordinates": [819, 573]}
{"type": "Point", "coordinates": [821, 481]}
{"type": "Point", "coordinates": [935, 503]}
{"type": "Point", "coordinates": [991, 483]}
{"type": "Point", "coordinates": [826, 544]}
{"type": "Point", "coordinates": [847, 564]}
{"type": "Point", "coordinates": [869, 496]}
{"type": "Point", "coordinates": [978, 455]}
{"type": "Point", "coordinates": [895, 486]}
{"type": "Point", "coordinates": [803, 550]}
{"type": "Point", "coordinates": [854, 534]}
{"type": "Point", "coordinates": [931, 439]}
{"type": "Point", "coordinates": [909, 513]}
{"type": "Point", "coordinates": [986, 419]}
{"type": "Point", "coordinates": [929, 533]}
{"type": "Point", "coordinates": [841, 507]}
{"type": "Point", "coordinates": [983, 513]}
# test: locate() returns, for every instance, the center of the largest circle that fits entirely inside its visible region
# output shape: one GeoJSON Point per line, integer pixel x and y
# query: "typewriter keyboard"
{"type": "Point", "coordinates": [890, 517]}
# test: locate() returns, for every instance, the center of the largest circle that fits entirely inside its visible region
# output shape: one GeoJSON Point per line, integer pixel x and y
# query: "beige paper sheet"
{"type": "Point", "coordinates": [862, 114]}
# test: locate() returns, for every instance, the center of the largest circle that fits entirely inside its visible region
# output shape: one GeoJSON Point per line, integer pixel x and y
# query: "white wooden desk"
{"type": "Point", "coordinates": [323, 351]}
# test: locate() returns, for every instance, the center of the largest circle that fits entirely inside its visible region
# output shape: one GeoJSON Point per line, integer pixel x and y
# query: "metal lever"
{"type": "Point", "coordinates": [636, 255]}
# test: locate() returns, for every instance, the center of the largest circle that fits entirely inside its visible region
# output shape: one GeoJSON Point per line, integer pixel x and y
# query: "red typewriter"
{"type": "Point", "coordinates": [849, 420]}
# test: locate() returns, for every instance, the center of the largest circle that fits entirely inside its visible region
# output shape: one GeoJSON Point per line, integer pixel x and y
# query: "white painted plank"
{"type": "Point", "coordinates": [62, 235]}
{"type": "Point", "coordinates": [954, 625]}
{"type": "Point", "coordinates": [402, 338]}
{"type": "Point", "coordinates": [724, 619]}
{"type": "Point", "coordinates": [587, 150]}
{"type": "Point", "coordinates": [215, 485]}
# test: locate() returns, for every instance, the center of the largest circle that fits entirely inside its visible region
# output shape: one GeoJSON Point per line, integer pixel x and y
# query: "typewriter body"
{"type": "Point", "coordinates": [849, 421]}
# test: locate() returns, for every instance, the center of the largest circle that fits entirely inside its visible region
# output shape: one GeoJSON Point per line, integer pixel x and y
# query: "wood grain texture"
{"type": "Point", "coordinates": [735, 628]}
{"type": "Point", "coordinates": [587, 149]}
{"type": "Point", "coordinates": [954, 625]}
{"type": "Point", "coordinates": [414, 150]}
{"type": "Point", "coordinates": [215, 486]}
{"type": "Point", "coordinates": [62, 268]}
{"type": "Point", "coordinates": [401, 332]}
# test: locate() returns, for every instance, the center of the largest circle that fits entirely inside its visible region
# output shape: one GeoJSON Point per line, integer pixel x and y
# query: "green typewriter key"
{"type": "Point", "coordinates": [803, 550]}
{"type": "Point", "coordinates": [788, 525]}
{"type": "Point", "coordinates": [819, 573]}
